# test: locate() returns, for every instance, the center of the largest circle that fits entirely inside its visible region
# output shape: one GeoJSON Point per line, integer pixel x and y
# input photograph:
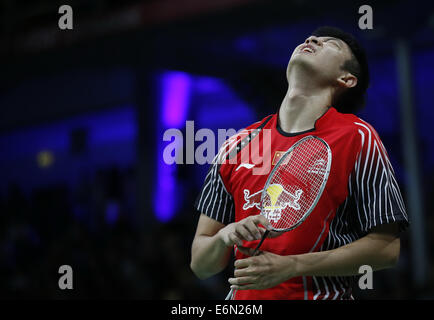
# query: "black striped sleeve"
{"type": "Point", "coordinates": [214, 200]}
{"type": "Point", "coordinates": [374, 187]}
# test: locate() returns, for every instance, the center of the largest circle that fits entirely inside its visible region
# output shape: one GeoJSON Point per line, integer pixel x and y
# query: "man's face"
{"type": "Point", "coordinates": [322, 56]}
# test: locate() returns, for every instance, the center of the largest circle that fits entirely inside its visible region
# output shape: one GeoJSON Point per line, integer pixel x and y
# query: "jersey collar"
{"type": "Point", "coordinates": [318, 123]}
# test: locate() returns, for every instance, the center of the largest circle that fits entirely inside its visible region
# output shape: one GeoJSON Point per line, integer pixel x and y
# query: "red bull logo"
{"type": "Point", "coordinates": [276, 200]}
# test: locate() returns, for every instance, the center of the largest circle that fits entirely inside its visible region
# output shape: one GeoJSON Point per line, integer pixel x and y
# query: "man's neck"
{"type": "Point", "coordinates": [302, 106]}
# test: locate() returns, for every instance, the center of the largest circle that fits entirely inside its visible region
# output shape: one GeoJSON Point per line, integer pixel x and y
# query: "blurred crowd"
{"type": "Point", "coordinates": [93, 229]}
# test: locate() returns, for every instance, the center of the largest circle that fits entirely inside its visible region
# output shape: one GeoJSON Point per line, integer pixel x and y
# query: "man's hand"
{"type": "Point", "coordinates": [213, 242]}
{"type": "Point", "coordinates": [265, 270]}
{"type": "Point", "coordinates": [379, 249]}
{"type": "Point", "coordinates": [246, 229]}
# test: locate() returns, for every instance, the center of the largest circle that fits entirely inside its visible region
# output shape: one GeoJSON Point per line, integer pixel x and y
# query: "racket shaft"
{"type": "Point", "coordinates": [260, 243]}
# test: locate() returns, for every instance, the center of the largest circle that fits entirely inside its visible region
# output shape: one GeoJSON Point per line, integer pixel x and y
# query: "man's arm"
{"type": "Point", "coordinates": [379, 249]}
{"type": "Point", "coordinates": [213, 242]}
{"type": "Point", "coordinates": [209, 254]}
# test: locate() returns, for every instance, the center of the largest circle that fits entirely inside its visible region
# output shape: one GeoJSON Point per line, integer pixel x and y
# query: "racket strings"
{"type": "Point", "coordinates": [296, 184]}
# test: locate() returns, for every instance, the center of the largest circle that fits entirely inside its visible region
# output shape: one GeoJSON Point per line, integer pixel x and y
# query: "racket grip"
{"type": "Point", "coordinates": [260, 243]}
{"type": "Point", "coordinates": [229, 296]}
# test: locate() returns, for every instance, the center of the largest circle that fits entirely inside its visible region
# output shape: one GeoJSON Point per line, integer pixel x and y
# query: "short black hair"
{"type": "Point", "coordinates": [354, 98]}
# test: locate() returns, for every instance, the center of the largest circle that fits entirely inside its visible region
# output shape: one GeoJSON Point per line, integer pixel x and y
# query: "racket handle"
{"type": "Point", "coordinates": [260, 243]}
{"type": "Point", "coordinates": [229, 296]}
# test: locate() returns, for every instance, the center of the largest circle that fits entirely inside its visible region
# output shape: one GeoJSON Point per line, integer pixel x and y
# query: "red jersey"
{"type": "Point", "coordinates": [361, 193]}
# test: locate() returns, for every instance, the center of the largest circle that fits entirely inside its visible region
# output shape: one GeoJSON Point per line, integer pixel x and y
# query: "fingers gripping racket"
{"type": "Point", "coordinates": [294, 186]}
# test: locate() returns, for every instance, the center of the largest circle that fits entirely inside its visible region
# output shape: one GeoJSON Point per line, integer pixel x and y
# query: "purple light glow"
{"type": "Point", "coordinates": [165, 197]}
{"type": "Point", "coordinates": [175, 100]}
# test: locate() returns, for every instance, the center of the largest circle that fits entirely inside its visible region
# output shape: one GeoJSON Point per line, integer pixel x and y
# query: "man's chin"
{"type": "Point", "coordinates": [302, 57]}
{"type": "Point", "coordinates": [302, 62]}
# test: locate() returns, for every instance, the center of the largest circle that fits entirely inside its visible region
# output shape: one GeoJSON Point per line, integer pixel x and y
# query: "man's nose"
{"type": "Point", "coordinates": [313, 39]}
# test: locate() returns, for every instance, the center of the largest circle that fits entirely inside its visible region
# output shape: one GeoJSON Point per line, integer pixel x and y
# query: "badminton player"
{"type": "Point", "coordinates": [360, 215]}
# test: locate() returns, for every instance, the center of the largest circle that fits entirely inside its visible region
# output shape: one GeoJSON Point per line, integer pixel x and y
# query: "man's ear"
{"type": "Point", "coordinates": [347, 80]}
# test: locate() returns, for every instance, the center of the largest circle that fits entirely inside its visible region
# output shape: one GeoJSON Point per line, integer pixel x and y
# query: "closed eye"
{"type": "Point", "coordinates": [334, 42]}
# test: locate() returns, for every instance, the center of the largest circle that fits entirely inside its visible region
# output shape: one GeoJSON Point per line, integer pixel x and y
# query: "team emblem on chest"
{"type": "Point", "coordinates": [275, 200]}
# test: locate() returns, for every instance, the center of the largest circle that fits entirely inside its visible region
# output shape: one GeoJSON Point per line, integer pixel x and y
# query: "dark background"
{"type": "Point", "coordinates": [83, 112]}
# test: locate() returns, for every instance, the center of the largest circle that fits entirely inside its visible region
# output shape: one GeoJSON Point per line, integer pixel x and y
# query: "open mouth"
{"type": "Point", "coordinates": [307, 49]}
